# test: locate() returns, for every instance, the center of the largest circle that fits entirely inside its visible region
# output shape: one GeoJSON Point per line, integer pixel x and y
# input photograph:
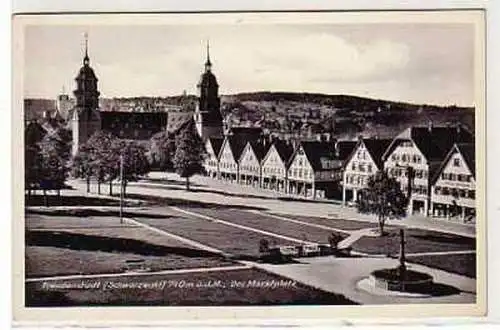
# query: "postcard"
{"type": "Point", "coordinates": [211, 166]}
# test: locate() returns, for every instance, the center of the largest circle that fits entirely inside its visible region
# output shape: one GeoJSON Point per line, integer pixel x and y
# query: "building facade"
{"type": "Point", "coordinates": [315, 169]}
{"type": "Point", "coordinates": [229, 159]}
{"type": "Point", "coordinates": [415, 155]}
{"type": "Point", "coordinates": [364, 161]}
{"type": "Point", "coordinates": [275, 166]}
{"type": "Point", "coordinates": [453, 195]}
{"type": "Point", "coordinates": [250, 172]}
{"type": "Point", "coordinates": [211, 161]}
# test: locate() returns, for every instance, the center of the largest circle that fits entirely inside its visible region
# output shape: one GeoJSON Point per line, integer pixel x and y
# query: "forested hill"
{"type": "Point", "coordinates": [344, 114]}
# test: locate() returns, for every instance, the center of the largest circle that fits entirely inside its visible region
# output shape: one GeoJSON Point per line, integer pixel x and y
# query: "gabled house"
{"type": "Point", "coordinates": [315, 168]}
{"type": "Point", "coordinates": [275, 165]}
{"type": "Point", "coordinates": [415, 155]}
{"type": "Point", "coordinates": [229, 156]}
{"type": "Point", "coordinates": [250, 163]}
{"type": "Point", "coordinates": [453, 194]}
{"type": "Point", "coordinates": [211, 162]}
{"type": "Point", "coordinates": [363, 162]}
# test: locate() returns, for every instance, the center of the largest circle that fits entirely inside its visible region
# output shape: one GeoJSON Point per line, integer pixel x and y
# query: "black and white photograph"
{"type": "Point", "coordinates": [251, 160]}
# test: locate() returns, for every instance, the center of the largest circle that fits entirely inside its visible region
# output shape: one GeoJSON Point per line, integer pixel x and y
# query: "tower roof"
{"type": "Point", "coordinates": [208, 64]}
{"type": "Point", "coordinates": [86, 72]}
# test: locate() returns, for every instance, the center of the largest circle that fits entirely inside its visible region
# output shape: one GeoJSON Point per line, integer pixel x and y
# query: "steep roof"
{"type": "Point", "coordinates": [216, 144]}
{"type": "Point", "coordinates": [236, 145]}
{"type": "Point", "coordinates": [433, 142]}
{"type": "Point", "coordinates": [375, 147]}
{"type": "Point", "coordinates": [284, 149]}
{"type": "Point", "coordinates": [344, 149]}
{"type": "Point", "coordinates": [259, 149]}
{"type": "Point", "coordinates": [468, 152]}
{"type": "Point", "coordinates": [35, 108]}
{"type": "Point", "coordinates": [322, 155]}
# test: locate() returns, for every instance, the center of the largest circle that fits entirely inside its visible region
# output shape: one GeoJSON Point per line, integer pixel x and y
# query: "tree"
{"type": "Point", "coordinates": [100, 146]}
{"type": "Point", "coordinates": [382, 197]}
{"type": "Point", "coordinates": [33, 135]}
{"type": "Point", "coordinates": [189, 154]}
{"type": "Point", "coordinates": [54, 163]}
{"type": "Point", "coordinates": [162, 150]}
{"type": "Point", "coordinates": [81, 164]}
{"type": "Point", "coordinates": [32, 167]}
{"type": "Point", "coordinates": [135, 162]}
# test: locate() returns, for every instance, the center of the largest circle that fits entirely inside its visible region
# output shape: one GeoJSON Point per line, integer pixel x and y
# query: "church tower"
{"type": "Point", "coordinates": [85, 119]}
{"type": "Point", "coordinates": [207, 116]}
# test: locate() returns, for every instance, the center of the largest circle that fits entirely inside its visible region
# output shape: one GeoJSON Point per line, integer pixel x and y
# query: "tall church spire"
{"type": "Point", "coordinates": [86, 59]}
{"type": "Point", "coordinates": [208, 64]}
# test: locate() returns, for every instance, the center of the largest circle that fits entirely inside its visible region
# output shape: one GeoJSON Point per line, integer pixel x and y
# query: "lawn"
{"type": "Point", "coordinates": [73, 245]}
{"type": "Point", "coordinates": [333, 222]}
{"type": "Point", "coordinates": [266, 223]}
{"type": "Point", "coordinates": [53, 200]}
{"type": "Point", "coordinates": [222, 288]}
{"type": "Point", "coordinates": [462, 264]}
{"type": "Point", "coordinates": [417, 240]}
{"type": "Point", "coordinates": [238, 242]}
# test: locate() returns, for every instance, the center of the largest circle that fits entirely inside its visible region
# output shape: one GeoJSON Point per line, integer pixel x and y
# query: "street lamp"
{"type": "Point", "coordinates": [121, 188]}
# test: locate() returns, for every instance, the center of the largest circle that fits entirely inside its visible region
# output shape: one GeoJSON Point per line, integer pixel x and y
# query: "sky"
{"type": "Point", "coordinates": [431, 63]}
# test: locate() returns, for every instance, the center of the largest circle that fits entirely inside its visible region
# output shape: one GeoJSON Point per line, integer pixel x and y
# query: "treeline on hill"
{"type": "Point", "coordinates": [104, 158]}
{"type": "Point", "coordinates": [339, 101]}
{"type": "Point", "coordinates": [342, 115]}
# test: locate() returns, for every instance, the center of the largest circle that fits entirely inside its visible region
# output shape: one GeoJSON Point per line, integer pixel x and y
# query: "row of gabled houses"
{"type": "Point", "coordinates": [435, 166]}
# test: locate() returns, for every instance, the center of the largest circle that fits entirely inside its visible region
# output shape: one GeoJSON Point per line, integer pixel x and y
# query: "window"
{"type": "Point", "coordinates": [452, 176]}
{"type": "Point", "coordinates": [446, 191]}
{"type": "Point", "coordinates": [403, 158]}
{"type": "Point", "coordinates": [369, 168]}
{"type": "Point", "coordinates": [456, 162]}
{"type": "Point", "coordinates": [459, 177]}
{"type": "Point", "coordinates": [462, 193]}
{"type": "Point", "coordinates": [361, 167]}
{"type": "Point", "coordinates": [437, 190]}
{"type": "Point", "coordinates": [353, 167]}
{"type": "Point", "coordinates": [472, 194]}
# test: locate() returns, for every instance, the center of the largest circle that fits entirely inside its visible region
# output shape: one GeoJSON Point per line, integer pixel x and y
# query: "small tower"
{"type": "Point", "coordinates": [63, 104]}
{"type": "Point", "coordinates": [207, 116]}
{"type": "Point", "coordinates": [86, 119]}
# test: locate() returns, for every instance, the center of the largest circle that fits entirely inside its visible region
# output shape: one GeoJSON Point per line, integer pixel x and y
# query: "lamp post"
{"type": "Point", "coordinates": [402, 261]}
{"type": "Point", "coordinates": [121, 188]}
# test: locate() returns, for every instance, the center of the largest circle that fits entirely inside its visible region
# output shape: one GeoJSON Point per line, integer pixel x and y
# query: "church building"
{"type": "Point", "coordinates": [207, 116]}
{"type": "Point", "coordinates": [86, 118]}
